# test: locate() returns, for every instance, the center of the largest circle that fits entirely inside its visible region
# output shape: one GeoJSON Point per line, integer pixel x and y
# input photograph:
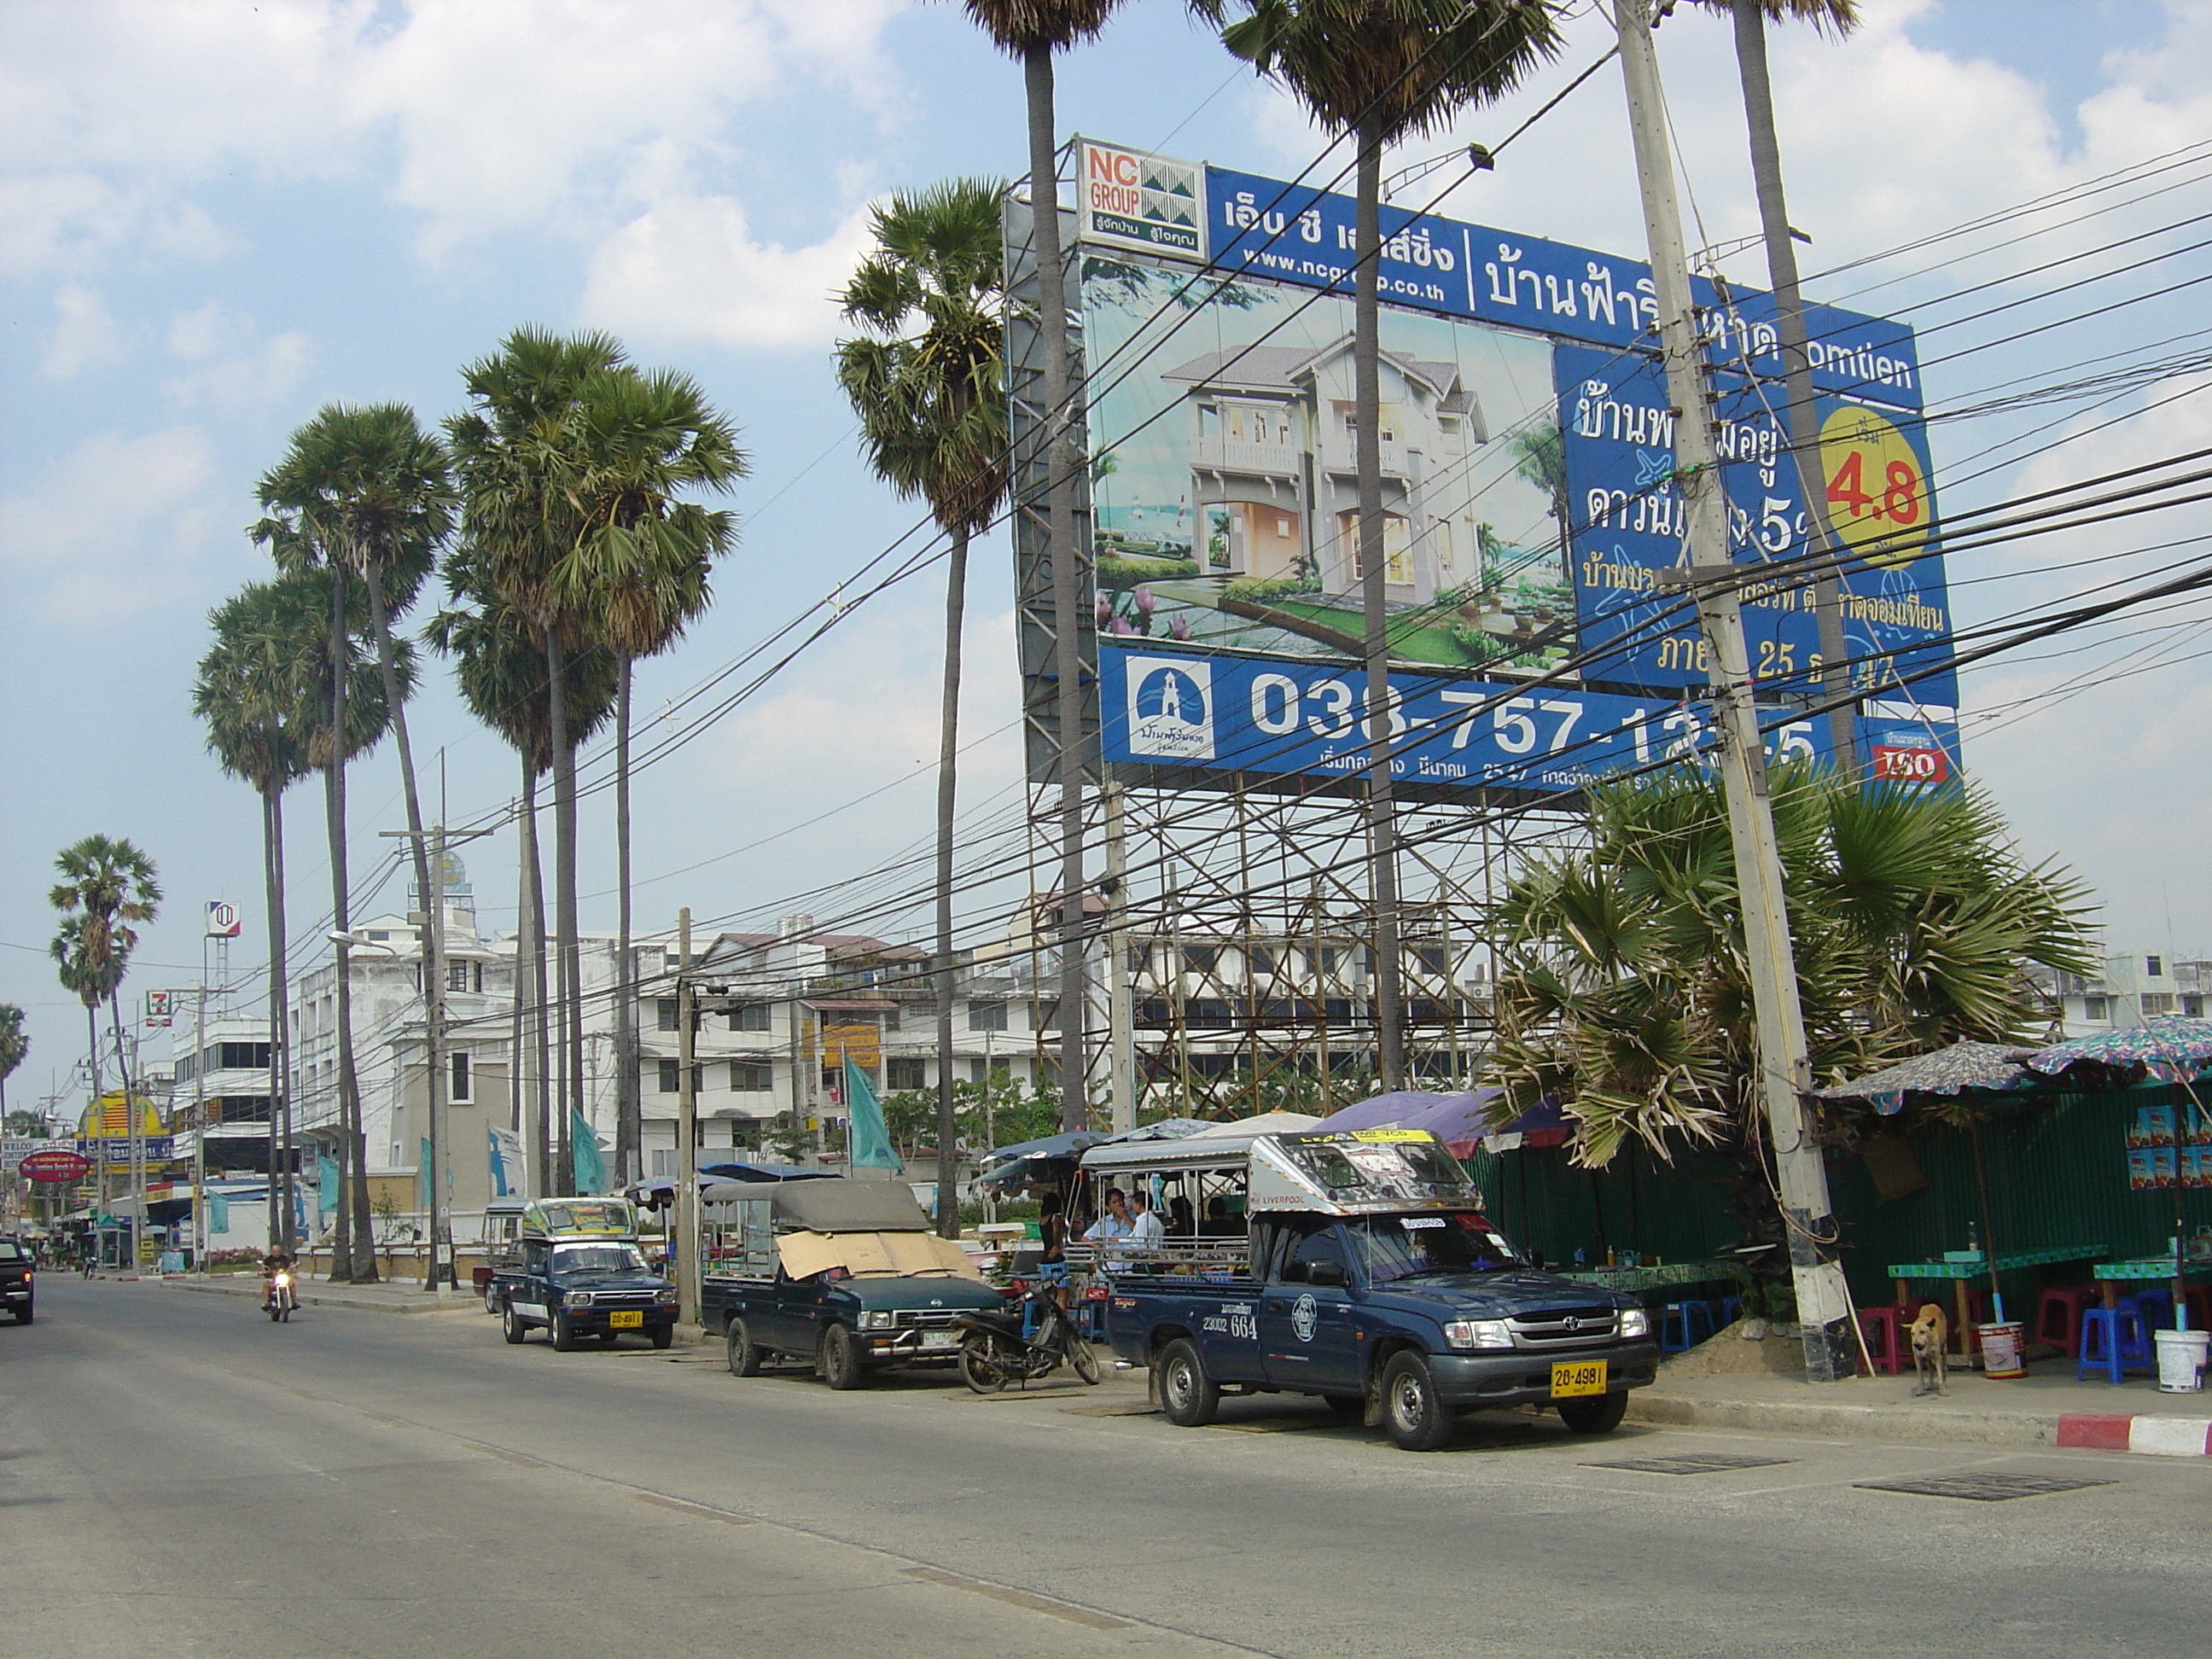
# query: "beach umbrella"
{"type": "Point", "coordinates": [2171, 1050]}
{"type": "Point", "coordinates": [1946, 1070]}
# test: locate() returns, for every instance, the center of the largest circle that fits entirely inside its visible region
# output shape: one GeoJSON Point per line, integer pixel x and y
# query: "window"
{"type": "Point", "coordinates": [987, 1015]}
{"type": "Point", "coordinates": [2155, 1003]}
{"type": "Point", "coordinates": [457, 976]}
{"type": "Point", "coordinates": [905, 1074]}
{"type": "Point", "coordinates": [891, 1018]}
{"type": "Point", "coordinates": [1262, 961]}
{"type": "Point", "coordinates": [671, 1077]}
{"type": "Point", "coordinates": [664, 1160]}
{"type": "Point", "coordinates": [2154, 967]}
{"type": "Point", "coordinates": [2094, 1008]}
{"type": "Point", "coordinates": [665, 1010]}
{"type": "Point", "coordinates": [2193, 1007]}
{"type": "Point", "coordinates": [459, 1091]}
{"type": "Point", "coordinates": [1200, 959]}
{"type": "Point", "coordinates": [1431, 959]}
{"type": "Point", "coordinates": [242, 1056]}
{"type": "Point", "coordinates": [753, 1016]}
{"type": "Point", "coordinates": [750, 1080]}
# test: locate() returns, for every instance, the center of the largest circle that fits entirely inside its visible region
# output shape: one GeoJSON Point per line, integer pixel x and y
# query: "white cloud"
{"type": "Point", "coordinates": [84, 336]}
{"type": "Point", "coordinates": [689, 268]}
{"type": "Point", "coordinates": [114, 526]}
{"type": "Point", "coordinates": [231, 365]}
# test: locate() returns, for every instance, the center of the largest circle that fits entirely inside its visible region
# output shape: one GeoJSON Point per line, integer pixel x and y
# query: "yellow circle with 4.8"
{"type": "Point", "coordinates": [1878, 501]}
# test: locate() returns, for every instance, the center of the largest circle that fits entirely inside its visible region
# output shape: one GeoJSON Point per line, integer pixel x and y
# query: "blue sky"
{"type": "Point", "coordinates": [220, 216]}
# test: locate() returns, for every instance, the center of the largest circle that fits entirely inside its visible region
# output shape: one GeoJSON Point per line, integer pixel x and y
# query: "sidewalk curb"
{"type": "Point", "coordinates": [1847, 1422]}
{"type": "Point", "coordinates": [337, 1298]}
{"type": "Point", "coordinates": [2158, 1436]}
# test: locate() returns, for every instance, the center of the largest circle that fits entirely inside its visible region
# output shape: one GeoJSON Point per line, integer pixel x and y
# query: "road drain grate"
{"type": "Point", "coordinates": [1692, 1463]}
{"type": "Point", "coordinates": [1983, 1488]}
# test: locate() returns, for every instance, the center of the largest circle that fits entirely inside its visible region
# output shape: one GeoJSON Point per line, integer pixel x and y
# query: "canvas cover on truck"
{"type": "Point", "coordinates": [848, 1206]}
{"type": "Point", "coordinates": [868, 1254]}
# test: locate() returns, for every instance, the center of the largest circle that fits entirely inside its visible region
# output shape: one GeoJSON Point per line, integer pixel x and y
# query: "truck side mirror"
{"type": "Point", "coordinates": [1325, 1272]}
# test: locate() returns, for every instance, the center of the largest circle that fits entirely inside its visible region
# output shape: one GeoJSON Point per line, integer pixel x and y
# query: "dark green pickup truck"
{"type": "Point", "coordinates": [844, 1275]}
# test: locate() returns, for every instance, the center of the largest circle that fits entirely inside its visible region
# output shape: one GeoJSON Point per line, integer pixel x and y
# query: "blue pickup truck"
{"type": "Point", "coordinates": [580, 1272]}
{"type": "Point", "coordinates": [1358, 1266]}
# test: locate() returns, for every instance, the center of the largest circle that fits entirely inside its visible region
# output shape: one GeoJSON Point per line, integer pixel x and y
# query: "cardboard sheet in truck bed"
{"type": "Point", "coordinates": [862, 1255]}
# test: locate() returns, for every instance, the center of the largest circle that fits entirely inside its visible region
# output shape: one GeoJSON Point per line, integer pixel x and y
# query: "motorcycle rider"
{"type": "Point", "coordinates": [276, 1261]}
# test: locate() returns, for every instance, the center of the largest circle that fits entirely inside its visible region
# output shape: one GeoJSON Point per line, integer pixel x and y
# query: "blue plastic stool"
{"type": "Point", "coordinates": [2113, 1340]}
{"type": "Point", "coordinates": [2157, 1307]}
{"type": "Point", "coordinates": [1731, 1310]}
{"type": "Point", "coordinates": [1678, 1323]}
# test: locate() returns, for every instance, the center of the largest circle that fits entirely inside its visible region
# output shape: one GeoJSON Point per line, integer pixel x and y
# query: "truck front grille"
{"type": "Point", "coordinates": [1565, 1328]}
{"type": "Point", "coordinates": [926, 1319]}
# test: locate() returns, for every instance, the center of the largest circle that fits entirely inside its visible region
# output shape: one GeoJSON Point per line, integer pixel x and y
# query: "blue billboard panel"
{"type": "Point", "coordinates": [1617, 435]}
{"type": "Point", "coordinates": [1299, 235]}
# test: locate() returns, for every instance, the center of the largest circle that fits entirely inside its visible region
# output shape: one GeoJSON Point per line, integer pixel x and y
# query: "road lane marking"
{"type": "Point", "coordinates": [1019, 1598]}
{"type": "Point", "coordinates": [506, 1456]}
{"type": "Point", "coordinates": [702, 1511]}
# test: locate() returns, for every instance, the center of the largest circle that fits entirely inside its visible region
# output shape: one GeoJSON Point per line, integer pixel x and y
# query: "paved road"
{"type": "Point", "coordinates": [179, 1476]}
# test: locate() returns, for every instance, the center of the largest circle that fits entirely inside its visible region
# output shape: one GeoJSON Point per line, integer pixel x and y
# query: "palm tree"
{"type": "Point", "coordinates": [367, 491]}
{"type": "Point", "coordinates": [13, 1046]}
{"type": "Point", "coordinates": [1032, 31]}
{"type": "Point", "coordinates": [1750, 18]}
{"type": "Point", "coordinates": [88, 977]}
{"type": "Point", "coordinates": [500, 670]}
{"type": "Point", "coordinates": [513, 456]}
{"type": "Point", "coordinates": [638, 566]}
{"type": "Point", "coordinates": [263, 691]}
{"type": "Point", "coordinates": [1383, 70]}
{"type": "Point", "coordinates": [1623, 989]}
{"type": "Point", "coordinates": [928, 380]}
{"type": "Point", "coordinates": [106, 885]}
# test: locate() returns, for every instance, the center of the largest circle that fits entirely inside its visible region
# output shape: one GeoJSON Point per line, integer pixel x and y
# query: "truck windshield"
{"type": "Point", "coordinates": [1458, 1241]}
{"type": "Point", "coordinates": [598, 1259]}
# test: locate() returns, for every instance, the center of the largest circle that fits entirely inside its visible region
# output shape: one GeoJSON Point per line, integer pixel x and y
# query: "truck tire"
{"type": "Point", "coordinates": [1187, 1395]}
{"type": "Point", "coordinates": [564, 1334]}
{"type": "Point", "coordinates": [839, 1361]}
{"type": "Point", "coordinates": [1600, 1414]}
{"type": "Point", "coordinates": [510, 1324]}
{"type": "Point", "coordinates": [662, 1335]}
{"type": "Point", "coordinates": [745, 1357]}
{"type": "Point", "coordinates": [1414, 1418]}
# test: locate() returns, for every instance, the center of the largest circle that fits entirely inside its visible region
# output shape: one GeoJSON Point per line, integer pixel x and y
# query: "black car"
{"type": "Point", "coordinates": [16, 1294]}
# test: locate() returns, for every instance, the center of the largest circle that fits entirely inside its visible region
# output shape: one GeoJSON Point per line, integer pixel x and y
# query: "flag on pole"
{"type": "Point", "coordinates": [326, 1184]}
{"type": "Point", "coordinates": [591, 1170]}
{"type": "Point", "coordinates": [506, 1159]}
{"type": "Point", "coordinates": [872, 1141]}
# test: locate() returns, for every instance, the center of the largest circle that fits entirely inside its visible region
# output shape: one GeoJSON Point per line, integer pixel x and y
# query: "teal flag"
{"type": "Point", "coordinates": [590, 1168]}
{"type": "Point", "coordinates": [326, 1184]}
{"type": "Point", "coordinates": [218, 1214]}
{"type": "Point", "coordinates": [423, 1175]}
{"type": "Point", "coordinates": [872, 1141]}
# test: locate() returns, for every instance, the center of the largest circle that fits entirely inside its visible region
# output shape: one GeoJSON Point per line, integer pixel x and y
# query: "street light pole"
{"type": "Point", "coordinates": [687, 1129]}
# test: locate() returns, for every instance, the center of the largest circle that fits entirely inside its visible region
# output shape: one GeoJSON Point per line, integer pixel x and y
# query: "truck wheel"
{"type": "Point", "coordinates": [1416, 1419]}
{"type": "Point", "coordinates": [1599, 1415]}
{"type": "Point", "coordinates": [23, 1314]}
{"type": "Point", "coordinates": [662, 1335]}
{"type": "Point", "coordinates": [1187, 1395]}
{"type": "Point", "coordinates": [564, 1334]}
{"type": "Point", "coordinates": [510, 1324]}
{"type": "Point", "coordinates": [744, 1358]}
{"type": "Point", "coordinates": [840, 1362]}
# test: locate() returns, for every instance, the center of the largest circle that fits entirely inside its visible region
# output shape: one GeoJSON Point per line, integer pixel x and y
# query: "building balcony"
{"type": "Point", "coordinates": [1241, 455]}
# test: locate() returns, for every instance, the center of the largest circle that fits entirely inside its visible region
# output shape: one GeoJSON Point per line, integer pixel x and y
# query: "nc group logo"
{"type": "Point", "coordinates": [1171, 711]}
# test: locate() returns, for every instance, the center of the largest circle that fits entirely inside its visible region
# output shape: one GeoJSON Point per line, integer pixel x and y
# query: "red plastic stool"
{"type": "Point", "coordinates": [2058, 1315]}
{"type": "Point", "coordinates": [2200, 1308]}
{"type": "Point", "coordinates": [1887, 1323]}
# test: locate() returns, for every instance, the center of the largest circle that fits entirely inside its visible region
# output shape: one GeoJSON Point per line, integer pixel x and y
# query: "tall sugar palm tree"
{"type": "Point", "coordinates": [367, 491]}
{"type": "Point", "coordinates": [500, 667]}
{"type": "Point", "coordinates": [1750, 18]}
{"type": "Point", "coordinates": [87, 980]}
{"type": "Point", "coordinates": [928, 380]}
{"type": "Point", "coordinates": [639, 566]}
{"type": "Point", "coordinates": [514, 462]}
{"type": "Point", "coordinates": [107, 885]}
{"type": "Point", "coordinates": [263, 692]}
{"type": "Point", "coordinates": [1382, 71]}
{"type": "Point", "coordinates": [15, 1046]}
{"type": "Point", "coordinates": [1031, 31]}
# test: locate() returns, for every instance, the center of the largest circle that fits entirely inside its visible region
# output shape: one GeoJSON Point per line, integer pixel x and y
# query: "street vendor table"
{"type": "Point", "coordinates": [1961, 1273]}
{"type": "Point", "coordinates": [2155, 1269]}
{"type": "Point", "coordinates": [1652, 1279]}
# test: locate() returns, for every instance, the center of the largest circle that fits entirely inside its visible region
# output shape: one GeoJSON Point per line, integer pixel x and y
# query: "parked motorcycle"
{"type": "Point", "coordinates": [282, 1297]}
{"type": "Point", "coordinates": [994, 1352]}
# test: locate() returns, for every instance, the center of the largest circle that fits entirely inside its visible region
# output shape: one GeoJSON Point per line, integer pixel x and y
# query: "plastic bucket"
{"type": "Point", "coordinates": [2181, 1361]}
{"type": "Point", "coordinates": [2001, 1349]}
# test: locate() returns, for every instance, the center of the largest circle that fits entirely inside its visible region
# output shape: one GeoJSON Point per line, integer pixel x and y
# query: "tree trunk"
{"type": "Point", "coordinates": [1804, 425]}
{"type": "Point", "coordinates": [948, 755]}
{"type": "Point", "coordinates": [441, 1259]}
{"type": "Point", "coordinates": [1057, 438]}
{"type": "Point", "coordinates": [541, 1022]}
{"type": "Point", "coordinates": [131, 1122]}
{"type": "Point", "coordinates": [564, 898]}
{"type": "Point", "coordinates": [280, 1017]}
{"type": "Point", "coordinates": [1381, 814]}
{"type": "Point", "coordinates": [521, 1116]}
{"type": "Point", "coordinates": [629, 1107]}
{"type": "Point", "coordinates": [363, 1248]}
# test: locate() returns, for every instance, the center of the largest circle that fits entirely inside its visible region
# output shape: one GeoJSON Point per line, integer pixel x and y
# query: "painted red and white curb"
{"type": "Point", "coordinates": [2160, 1436]}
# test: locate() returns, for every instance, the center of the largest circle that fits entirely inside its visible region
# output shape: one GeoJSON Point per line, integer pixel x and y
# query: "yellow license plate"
{"type": "Point", "coordinates": [1578, 1377]}
{"type": "Point", "coordinates": [631, 1319]}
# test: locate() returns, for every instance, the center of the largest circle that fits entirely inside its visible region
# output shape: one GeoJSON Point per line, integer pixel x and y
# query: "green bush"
{"type": "Point", "coordinates": [1258, 589]}
{"type": "Point", "coordinates": [1132, 573]}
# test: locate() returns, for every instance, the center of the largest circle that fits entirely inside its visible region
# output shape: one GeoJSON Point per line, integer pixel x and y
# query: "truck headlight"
{"type": "Point", "coordinates": [1635, 1322]}
{"type": "Point", "coordinates": [577, 1299]}
{"type": "Point", "coordinates": [1478, 1334]}
{"type": "Point", "coordinates": [668, 1295]}
{"type": "Point", "coordinates": [878, 1322]}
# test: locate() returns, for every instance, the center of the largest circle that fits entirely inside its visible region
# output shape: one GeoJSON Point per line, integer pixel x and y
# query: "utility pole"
{"type": "Point", "coordinates": [1785, 1070]}
{"type": "Point", "coordinates": [686, 1208]}
{"type": "Point", "coordinates": [1121, 1016]}
{"type": "Point", "coordinates": [438, 1267]}
{"type": "Point", "coordinates": [199, 1118]}
{"type": "Point", "coordinates": [1803, 421]}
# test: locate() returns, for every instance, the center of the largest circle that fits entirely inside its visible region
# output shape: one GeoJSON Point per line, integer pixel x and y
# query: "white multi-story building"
{"type": "Point", "coordinates": [2134, 987]}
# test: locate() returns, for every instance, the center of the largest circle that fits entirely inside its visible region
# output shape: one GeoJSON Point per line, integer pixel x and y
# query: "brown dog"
{"type": "Point", "coordinates": [1932, 1341]}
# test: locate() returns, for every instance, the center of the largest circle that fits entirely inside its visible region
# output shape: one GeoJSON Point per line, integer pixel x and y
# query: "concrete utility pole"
{"type": "Point", "coordinates": [439, 1266]}
{"type": "Point", "coordinates": [199, 1120]}
{"type": "Point", "coordinates": [685, 1210]}
{"type": "Point", "coordinates": [1786, 1071]}
{"type": "Point", "coordinates": [1121, 1016]}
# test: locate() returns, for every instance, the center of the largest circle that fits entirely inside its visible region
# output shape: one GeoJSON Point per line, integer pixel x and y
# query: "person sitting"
{"type": "Point", "coordinates": [1183, 1221]}
{"type": "Point", "coordinates": [1115, 1222]}
{"type": "Point", "coordinates": [1144, 1228]}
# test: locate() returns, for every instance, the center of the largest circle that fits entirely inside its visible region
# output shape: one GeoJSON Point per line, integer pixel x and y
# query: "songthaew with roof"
{"type": "Point", "coordinates": [845, 1275]}
{"type": "Point", "coordinates": [579, 1271]}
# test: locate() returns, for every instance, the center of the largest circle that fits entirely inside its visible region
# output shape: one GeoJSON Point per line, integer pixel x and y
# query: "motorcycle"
{"type": "Point", "coordinates": [994, 1352]}
{"type": "Point", "coordinates": [282, 1298]}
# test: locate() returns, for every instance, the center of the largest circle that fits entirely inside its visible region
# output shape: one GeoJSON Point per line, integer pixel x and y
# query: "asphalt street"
{"type": "Point", "coordinates": [179, 1476]}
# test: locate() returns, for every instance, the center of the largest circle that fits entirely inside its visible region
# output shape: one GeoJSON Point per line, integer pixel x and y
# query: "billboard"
{"type": "Point", "coordinates": [1527, 473]}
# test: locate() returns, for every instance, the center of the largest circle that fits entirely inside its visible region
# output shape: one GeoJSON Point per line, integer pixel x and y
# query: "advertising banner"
{"type": "Point", "coordinates": [114, 1151]}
